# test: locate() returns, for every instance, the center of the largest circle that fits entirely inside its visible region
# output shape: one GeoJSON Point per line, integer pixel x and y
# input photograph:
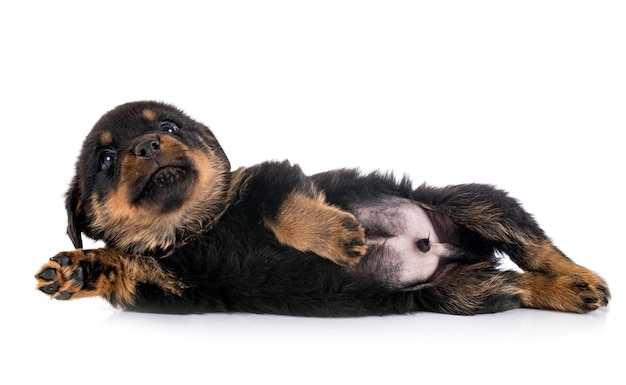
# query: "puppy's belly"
{"type": "Point", "coordinates": [403, 247]}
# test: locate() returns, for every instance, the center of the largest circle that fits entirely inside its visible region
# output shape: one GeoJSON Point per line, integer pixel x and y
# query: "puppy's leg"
{"type": "Point", "coordinates": [553, 280]}
{"type": "Point", "coordinates": [471, 289]}
{"type": "Point", "coordinates": [296, 211]}
{"type": "Point", "coordinates": [101, 272]}
{"type": "Point", "coordinates": [307, 223]}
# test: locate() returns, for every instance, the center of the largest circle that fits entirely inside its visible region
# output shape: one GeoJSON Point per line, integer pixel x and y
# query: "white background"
{"type": "Point", "coordinates": [527, 95]}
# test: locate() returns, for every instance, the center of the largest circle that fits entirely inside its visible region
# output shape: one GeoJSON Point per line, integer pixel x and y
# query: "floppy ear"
{"type": "Point", "coordinates": [73, 205]}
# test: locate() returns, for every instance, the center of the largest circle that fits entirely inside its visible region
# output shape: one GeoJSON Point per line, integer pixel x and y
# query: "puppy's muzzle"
{"type": "Point", "coordinates": [147, 146]}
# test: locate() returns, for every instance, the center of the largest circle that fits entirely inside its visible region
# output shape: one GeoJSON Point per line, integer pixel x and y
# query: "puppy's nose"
{"type": "Point", "coordinates": [147, 146]}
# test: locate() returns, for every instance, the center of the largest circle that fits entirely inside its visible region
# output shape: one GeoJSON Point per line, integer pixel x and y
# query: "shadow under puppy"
{"type": "Point", "coordinates": [185, 234]}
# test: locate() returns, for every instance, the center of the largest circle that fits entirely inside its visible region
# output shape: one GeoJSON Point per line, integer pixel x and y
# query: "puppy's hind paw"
{"type": "Point", "coordinates": [571, 293]}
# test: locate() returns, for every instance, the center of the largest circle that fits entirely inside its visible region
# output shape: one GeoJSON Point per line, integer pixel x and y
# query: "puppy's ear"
{"type": "Point", "coordinates": [73, 205]}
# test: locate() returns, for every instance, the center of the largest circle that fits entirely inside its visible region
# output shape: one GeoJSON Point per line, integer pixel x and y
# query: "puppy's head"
{"type": "Point", "coordinates": [147, 175]}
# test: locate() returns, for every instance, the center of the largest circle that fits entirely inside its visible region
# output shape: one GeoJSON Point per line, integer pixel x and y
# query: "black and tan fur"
{"type": "Point", "coordinates": [186, 234]}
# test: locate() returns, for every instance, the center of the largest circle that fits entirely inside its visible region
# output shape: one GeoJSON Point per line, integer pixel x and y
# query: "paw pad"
{"type": "Point", "coordinates": [61, 277]}
{"type": "Point", "coordinates": [47, 275]}
{"type": "Point", "coordinates": [63, 260]}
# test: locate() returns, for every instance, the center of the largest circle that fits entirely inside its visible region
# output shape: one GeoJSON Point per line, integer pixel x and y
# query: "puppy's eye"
{"type": "Point", "coordinates": [168, 126]}
{"type": "Point", "coordinates": [107, 159]}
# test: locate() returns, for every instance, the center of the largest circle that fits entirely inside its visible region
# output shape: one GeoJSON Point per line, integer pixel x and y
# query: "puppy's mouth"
{"type": "Point", "coordinates": [165, 189]}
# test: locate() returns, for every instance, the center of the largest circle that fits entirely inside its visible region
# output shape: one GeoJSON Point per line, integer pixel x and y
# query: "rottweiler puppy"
{"type": "Point", "coordinates": [186, 234]}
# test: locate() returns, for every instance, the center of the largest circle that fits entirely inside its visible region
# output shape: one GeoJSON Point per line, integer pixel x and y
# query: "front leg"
{"type": "Point", "coordinates": [308, 223]}
{"type": "Point", "coordinates": [104, 273]}
{"type": "Point", "coordinates": [296, 211]}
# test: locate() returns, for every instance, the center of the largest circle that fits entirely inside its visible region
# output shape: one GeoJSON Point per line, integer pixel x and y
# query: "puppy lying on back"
{"type": "Point", "coordinates": [185, 234]}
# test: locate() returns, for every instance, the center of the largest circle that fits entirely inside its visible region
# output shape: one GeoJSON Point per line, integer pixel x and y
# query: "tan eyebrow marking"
{"type": "Point", "coordinates": [149, 114]}
{"type": "Point", "coordinates": [106, 138]}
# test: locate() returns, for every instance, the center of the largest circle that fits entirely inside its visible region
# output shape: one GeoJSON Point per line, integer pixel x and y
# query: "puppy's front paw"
{"type": "Point", "coordinates": [62, 276]}
{"type": "Point", "coordinates": [311, 225]}
{"type": "Point", "coordinates": [347, 241]}
{"type": "Point", "coordinates": [73, 274]}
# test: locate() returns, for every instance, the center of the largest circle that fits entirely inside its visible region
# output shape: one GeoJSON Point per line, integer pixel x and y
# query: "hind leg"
{"type": "Point", "coordinates": [552, 280]}
{"type": "Point", "coordinates": [482, 288]}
